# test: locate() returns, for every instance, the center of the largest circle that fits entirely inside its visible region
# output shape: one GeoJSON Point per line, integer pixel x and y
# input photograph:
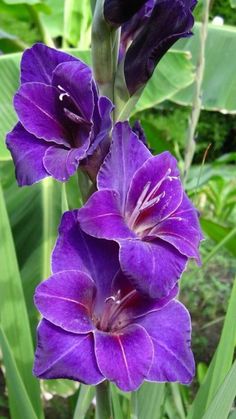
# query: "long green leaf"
{"type": "Point", "coordinates": [173, 73]}
{"type": "Point", "coordinates": [18, 398]}
{"type": "Point", "coordinates": [222, 402]}
{"type": "Point", "coordinates": [147, 401]}
{"type": "Point", "coordinates": [220, 364]}
{"type": "Point", "coordinates": [86, 395]}
{"type": "Point", "coordinates": [77, 23]}
{"type": "Point", "coordinates": [14, 319]}
{"type": "Point", "coordinates": [220, 234]}
{"type": "Point", "coordinates": [219, 83]}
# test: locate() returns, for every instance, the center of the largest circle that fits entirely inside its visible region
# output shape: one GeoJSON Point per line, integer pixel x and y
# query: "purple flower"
{"type": "Point", "coordinates": [140, 203]}
{"type": "Point", "coordinates": [96, 326]}
{"type": "Point", "coordinates": [153, 26]}
{"type": "Point", "coordinates": [62, 120]}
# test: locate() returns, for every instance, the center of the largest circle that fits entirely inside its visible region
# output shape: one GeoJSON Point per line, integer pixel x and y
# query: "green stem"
{"type": "Point", "coordinates": [104, 52]}
{"type": "Point", "coordinates": [19, 44]}
{"type": "Point", "coordinates": [103, 401]}
{"type": "Point", "coordinates": [197, 97]}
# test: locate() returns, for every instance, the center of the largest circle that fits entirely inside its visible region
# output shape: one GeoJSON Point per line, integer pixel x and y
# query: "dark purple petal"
{"type": "Point", "coordinates": [131, 28]}
{"type": "Point", "coordinates": [27, 153]}
{"type": "Point", "coordinates": [75, 78]}
{"type": "Point", "coordinates": [126, 156]}
{"type": "Point", "coordinates": [39, 110]}
{"type": "Point", "coordinates": [117, 12]}
{"type": "Point", "coordinates": [153, 267]}
{"type": "Point", "coordinates": [39, 62]}
{"type": "Point", "coordinates": [182, 230]}
{"type": "Point", "coordinates": [101, 216]}
{"type": "Point", "coordinates": [158, 183]}
{"type": "Point", "coordinates": [124, 358]}
{"type": "Point", "coordinates": [62, 163]}
{"type": "Point", "coordinates": [75, 250]}
{"type": "Point", "coordinates": [170, 331]}
{"type": "Point", "coordinates": [157, 35]}
{"type": "Point", "coordinates": [102, 122]}
{"type": "Point", "coordinates": [139, 131]}
{"type": "Point", "coordinates": [65, 299]}
{"type": "Point", "coordinates": [62, 354]}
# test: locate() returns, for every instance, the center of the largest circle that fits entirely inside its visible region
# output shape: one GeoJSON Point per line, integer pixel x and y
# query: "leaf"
{"type": "Point", "coordinates": [222, 402]}
{"type": "Point", "coordinates": [233, 3]}
{"type": "Point", "coordinates": [9, 75]}
{"type": "Point", "coordinates": [219, 82]}
{"type": "Point", "coordinates": [218, 233]}
{"type": "Point", "coordinates": [14, 319]}
{"type": "Point", "coordinates": [29, 2]}
{"type": "Point", "coordinates": [147, 401]}
{"type": "Point", "coordinates": [53, 21]}
{"type": "Point", "coordinates": [18, 398]}
{"type": "Point", "coordinates": [173, 73]}
{"type": "Point", "coordinates": [220, 364]}
{"type": "Point", "coordinates": [62, 388]}
{"type": "Point", "coordinates": [77, 23]}
{"type": "Point", "coordinates": [116, 403]}
{"type": "Point", "coordinates": [86, 395]}
{"type": "Point", "coordinates": [5, 35]}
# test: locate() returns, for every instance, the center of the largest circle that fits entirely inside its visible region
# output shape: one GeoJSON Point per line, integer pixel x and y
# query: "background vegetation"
{"type": "Point", "coordinates": [29, 217]}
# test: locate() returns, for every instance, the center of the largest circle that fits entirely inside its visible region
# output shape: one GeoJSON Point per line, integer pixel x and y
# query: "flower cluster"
{"type": "Point", "coordinates": [109, 308]}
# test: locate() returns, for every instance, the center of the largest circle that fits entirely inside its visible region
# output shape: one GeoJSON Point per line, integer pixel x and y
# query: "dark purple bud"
{"type": "Point", "coordinates": [169, 21]}
{"type": "Point", "coordinates": [117, 12]}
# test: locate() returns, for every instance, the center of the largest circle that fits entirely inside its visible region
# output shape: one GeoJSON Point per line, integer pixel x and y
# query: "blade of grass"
{"type": "Point", "coordinates": [220, 364]}
{"type": "Point", "coordinates": [18, 398]}
{"type": "Point", "coordinates": [14, 319]}
{"type": "Point", "coordinates": [116, 405]}
{"type": "Point", "coordinates": [86, 395]}
{"type": "Point", "coordinates": [222, 402]}
{"type": "Point", "coordinates": [146, 403]}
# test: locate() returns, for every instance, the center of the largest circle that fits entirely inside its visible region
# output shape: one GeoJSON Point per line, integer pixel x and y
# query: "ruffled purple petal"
{"type": "Point", "coordinates": [182, 230]}
{"type": "Point", "coordinates": [153, 267]}
{"type": "Point", "coordinates": [62, 163]}
{"type": "Point", "coordinates": [124, 358]}
{"type": "Point", "coordinates": [101, 216]}
{"type": "Point", "coordinates": [62, 354]}
{"type": "Point", "coordinates": [39, 110]}
{"type": "Point", "coordinates": [126, 156]}
{"type": "Point", "coordinates": [154, 39]}
{"type": "Point", "coordinates": [143, 305]}
{"type": "Point", "coordinates": [75, 78]}
{"type": "Point", "coordinates": [27, 153]}
{"type": "Point", "coordinates": [76, 250]}
{"type": "Point", "coordinates": [170, 331]}
{"type": "Point", "coordinates": [65, 299]}
{"type": "Point", "coordinates": [39, 62]}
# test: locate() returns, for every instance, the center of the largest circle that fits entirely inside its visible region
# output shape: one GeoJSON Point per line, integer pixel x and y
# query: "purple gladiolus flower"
{"type": "Point", "coordinates": [62, 119]}
{"type": "Point", "coordinates": [140, 203]}
{"type": "Point", "coordinates": [95, 326]}
{"type": "Point", "coordinates": [153, 26]}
